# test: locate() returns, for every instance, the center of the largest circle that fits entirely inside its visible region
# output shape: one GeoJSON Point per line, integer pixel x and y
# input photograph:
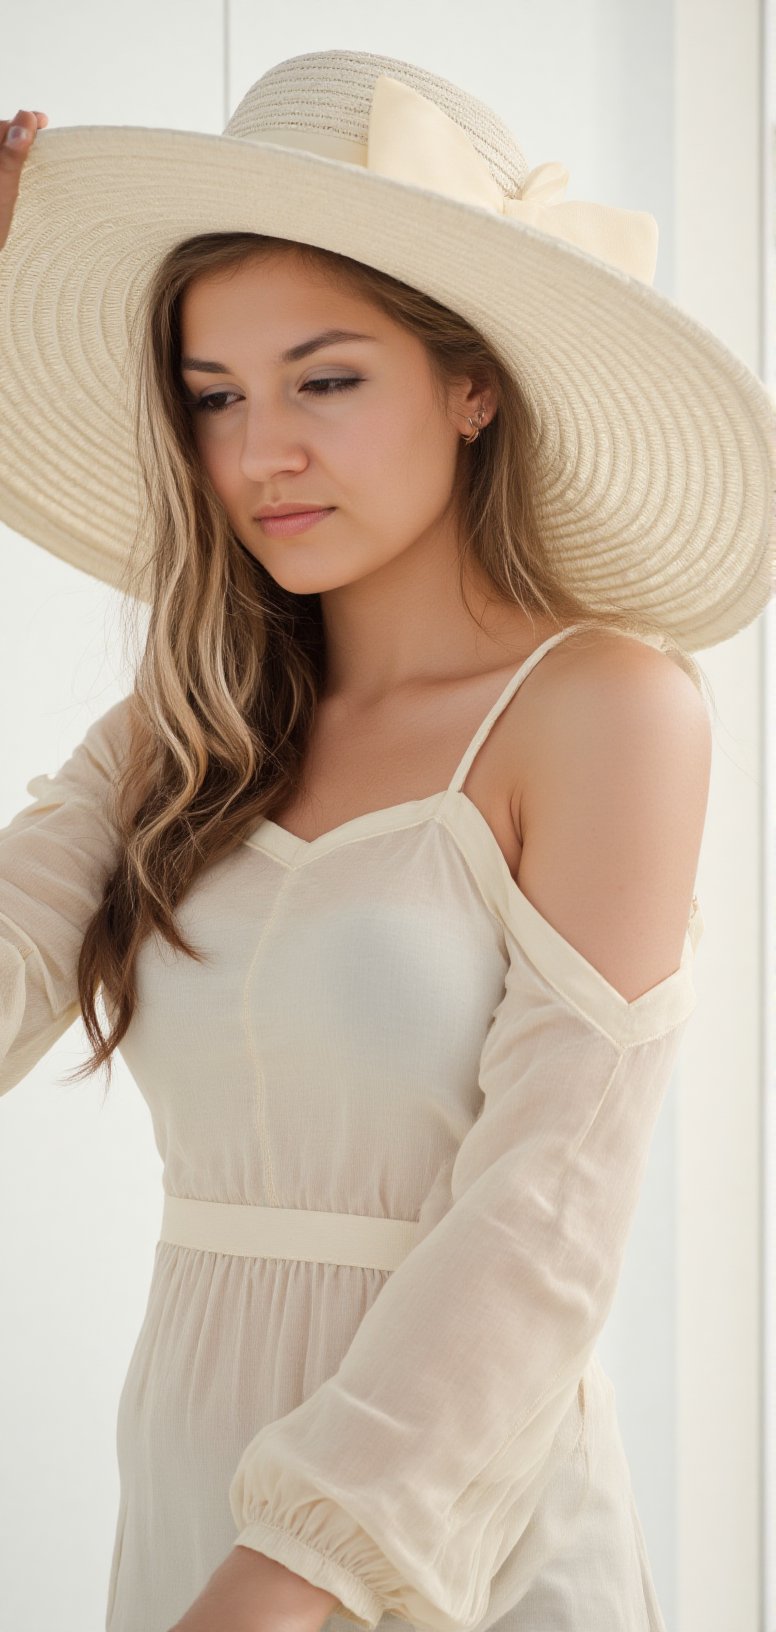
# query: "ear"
{"type": "Point", "coordinates": [469, 397]}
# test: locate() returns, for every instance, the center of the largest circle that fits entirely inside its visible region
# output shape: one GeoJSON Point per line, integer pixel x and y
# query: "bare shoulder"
{"type": "Point", "coordinates": [613, 800]}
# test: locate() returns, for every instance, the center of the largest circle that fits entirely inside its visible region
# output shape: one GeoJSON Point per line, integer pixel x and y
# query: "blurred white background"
{"type": "Point", "coordinates": [658, 107]}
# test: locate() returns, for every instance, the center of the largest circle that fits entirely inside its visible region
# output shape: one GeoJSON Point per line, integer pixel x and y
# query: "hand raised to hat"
{"type": "Point", "coordinates": [12, 156]}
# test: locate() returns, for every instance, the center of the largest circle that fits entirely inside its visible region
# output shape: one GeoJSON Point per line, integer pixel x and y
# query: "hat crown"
{"type": "Point", "coordinates": [322, 100]}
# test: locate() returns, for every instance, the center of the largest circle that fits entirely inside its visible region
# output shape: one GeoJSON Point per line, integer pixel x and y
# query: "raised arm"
{"type": "Point", "coordinates": [55, 858]}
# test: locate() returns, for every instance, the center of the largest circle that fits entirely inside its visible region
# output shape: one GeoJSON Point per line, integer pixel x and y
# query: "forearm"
{"type": "Point", "coordinates": [306, 1605]}
{"type": "Point", "coordinates": [250, 1592]}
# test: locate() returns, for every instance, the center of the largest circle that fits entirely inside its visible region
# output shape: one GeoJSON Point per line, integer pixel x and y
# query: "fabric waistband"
{"type": "Point", "coordinates": [357, 1239]}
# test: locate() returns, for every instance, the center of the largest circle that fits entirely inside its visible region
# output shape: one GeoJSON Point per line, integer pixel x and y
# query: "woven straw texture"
{"type": "Point", "coordinates": [657, 443]}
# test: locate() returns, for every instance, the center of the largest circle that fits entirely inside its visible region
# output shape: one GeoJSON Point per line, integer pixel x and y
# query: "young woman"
{"type": "Point", "coordinates": [384, 870]}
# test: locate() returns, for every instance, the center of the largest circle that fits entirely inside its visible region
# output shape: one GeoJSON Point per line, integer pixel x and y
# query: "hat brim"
{"type": "Point", "coordinates": [658, 444]}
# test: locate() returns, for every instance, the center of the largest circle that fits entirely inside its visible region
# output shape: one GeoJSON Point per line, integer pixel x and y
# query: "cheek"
{"type": "Point", "coordinates": [396, 449]}
{"type": "Point", "coordinates": [215, 458]}
{"type": "Point", "coordinates": [364, 442]}
{"type": "Point", "coordinates": [418, 456]}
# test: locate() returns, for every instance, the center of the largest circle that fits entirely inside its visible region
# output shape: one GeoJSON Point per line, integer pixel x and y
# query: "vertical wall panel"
{"type": "Point", "coordinates": [720, 268]}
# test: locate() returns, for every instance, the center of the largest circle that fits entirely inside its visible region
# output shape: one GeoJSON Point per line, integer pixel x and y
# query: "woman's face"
{"type": "Point", "coordinates": [353, 425]}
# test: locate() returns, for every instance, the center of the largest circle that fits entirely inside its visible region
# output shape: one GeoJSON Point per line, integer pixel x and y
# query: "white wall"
{"type": "Point", "coordinates": [606, 86]}
{"type": "Point", "coordinates": [720, 257]}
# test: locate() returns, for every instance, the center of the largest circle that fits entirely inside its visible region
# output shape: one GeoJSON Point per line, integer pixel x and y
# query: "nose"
{"type": "Point", "coordinates": [270, 444]}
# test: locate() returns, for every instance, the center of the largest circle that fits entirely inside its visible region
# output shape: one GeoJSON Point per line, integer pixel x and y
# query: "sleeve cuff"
{"type": "Point", "coordinates": [357, 1602]}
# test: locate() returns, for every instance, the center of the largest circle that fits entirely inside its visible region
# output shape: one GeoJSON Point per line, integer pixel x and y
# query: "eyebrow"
{"type": "Point", "coordinates": [329, 337]}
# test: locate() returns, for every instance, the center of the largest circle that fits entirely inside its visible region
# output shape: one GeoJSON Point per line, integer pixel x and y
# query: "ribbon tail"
{"type": "Point", "coordinates": [626, 239]}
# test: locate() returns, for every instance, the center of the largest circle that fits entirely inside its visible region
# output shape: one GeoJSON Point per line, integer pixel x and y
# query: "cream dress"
{"type": "Point", "coordinates": [404, 1125]}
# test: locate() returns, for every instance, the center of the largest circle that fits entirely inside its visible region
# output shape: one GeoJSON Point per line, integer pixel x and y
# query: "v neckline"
{"type": "Point", "coordinates": [289, 847]}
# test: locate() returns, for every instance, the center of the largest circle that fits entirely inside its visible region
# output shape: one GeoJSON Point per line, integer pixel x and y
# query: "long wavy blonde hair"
{"type": "Point", "coordinates": [229, 671]}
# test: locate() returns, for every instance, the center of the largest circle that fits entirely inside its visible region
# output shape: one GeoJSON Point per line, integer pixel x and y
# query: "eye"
{"type": "Point", "coordinates": [339, 384]}
{"type": "Point", "coordinates": [211, 404]}
{"type": "Point", "coordinates": [214, 403]}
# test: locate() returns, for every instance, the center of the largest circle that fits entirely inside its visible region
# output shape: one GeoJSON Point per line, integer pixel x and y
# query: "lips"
{"type": "Point", "coordinates": [296, 521]}
{"type": "Point", "coordinates": [292, 510]}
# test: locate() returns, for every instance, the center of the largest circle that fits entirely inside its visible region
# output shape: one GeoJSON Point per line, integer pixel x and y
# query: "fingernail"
{"type": "Point", "coordinates": [17, 134]}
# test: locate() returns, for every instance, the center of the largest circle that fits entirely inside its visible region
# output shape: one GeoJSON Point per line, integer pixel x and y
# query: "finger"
{"type": "Point", "coordinates": [38, 116]}
{"type": "Point", "coordinates": [12, 157]}
{"type": "Point", "coordinates": [22, 121]}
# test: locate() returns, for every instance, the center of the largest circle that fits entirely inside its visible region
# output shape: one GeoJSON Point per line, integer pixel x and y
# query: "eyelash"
{"type": "Point", "coordinates": [339, 385]}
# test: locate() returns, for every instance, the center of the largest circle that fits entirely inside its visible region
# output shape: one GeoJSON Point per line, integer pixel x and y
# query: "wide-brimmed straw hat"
{"type": "Point", "coordinates": [657, 444]}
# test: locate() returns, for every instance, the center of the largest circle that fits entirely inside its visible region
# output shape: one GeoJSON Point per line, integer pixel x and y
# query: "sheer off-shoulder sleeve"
{"type": "Point", "coordinates": [56, 855]}
{"type": "Point", "coordinates": [405, 1480]}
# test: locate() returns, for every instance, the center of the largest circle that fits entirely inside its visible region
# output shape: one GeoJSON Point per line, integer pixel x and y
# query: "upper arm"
{"type": "Point", "coordinates": [612, 808]}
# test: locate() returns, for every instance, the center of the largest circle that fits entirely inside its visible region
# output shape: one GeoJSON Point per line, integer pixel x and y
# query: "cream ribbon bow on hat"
{"type": "Point", "coordinates": [412, 140]}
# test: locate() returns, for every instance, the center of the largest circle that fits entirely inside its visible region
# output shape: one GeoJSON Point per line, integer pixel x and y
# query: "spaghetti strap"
{"type": "Point", "coordinates": [464, 765]}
